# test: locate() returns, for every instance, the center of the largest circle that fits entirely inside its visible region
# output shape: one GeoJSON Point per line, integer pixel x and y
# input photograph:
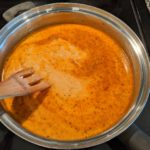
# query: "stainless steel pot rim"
{"type": "Point", "coordinates": [116, 23]}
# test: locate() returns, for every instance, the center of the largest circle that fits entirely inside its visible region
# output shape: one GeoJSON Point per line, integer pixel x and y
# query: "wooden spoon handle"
{"type": "Point", "coordinates": [4, 90]}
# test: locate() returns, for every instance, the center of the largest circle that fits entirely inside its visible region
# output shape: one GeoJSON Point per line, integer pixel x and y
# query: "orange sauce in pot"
{"type": "Point", "coordinates": [91, 82]}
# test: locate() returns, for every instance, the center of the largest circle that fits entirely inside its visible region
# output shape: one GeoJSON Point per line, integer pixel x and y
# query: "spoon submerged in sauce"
{"type": "Point", "coordinates": [22, 83]}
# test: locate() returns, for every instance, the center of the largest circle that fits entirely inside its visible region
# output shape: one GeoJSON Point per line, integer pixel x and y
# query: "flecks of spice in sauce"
{"type": "Point", "coordinates": [91, 82]}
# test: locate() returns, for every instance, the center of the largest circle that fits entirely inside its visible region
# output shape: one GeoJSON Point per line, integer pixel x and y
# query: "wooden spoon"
{"type": "Point", "coordinates": [22, 83]}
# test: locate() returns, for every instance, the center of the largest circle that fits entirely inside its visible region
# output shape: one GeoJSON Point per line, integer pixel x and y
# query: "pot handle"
{"type": "Point", "coordinates": [17, 9]}
{"type": "Point", "coordinates": [135, 138]}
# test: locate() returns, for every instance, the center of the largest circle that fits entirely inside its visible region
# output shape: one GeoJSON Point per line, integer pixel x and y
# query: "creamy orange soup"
{"type": "Point", "coordinates": [91, 82]}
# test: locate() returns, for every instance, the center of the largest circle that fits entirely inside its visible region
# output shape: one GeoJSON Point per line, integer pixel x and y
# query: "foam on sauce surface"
{"type": "Point", "coordinates": [91, 82]}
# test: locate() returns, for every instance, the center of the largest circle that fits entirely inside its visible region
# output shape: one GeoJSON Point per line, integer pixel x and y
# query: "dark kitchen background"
{"type": "Point", "coordinates": [134, 13]}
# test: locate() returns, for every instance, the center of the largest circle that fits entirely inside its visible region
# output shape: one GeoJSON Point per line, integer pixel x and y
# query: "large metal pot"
{"type": "Point", "coordinates": [58, 13]}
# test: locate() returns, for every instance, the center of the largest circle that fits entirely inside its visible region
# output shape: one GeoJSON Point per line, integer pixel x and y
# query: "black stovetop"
{"type": "Point", "coordinates": [132, 12]}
